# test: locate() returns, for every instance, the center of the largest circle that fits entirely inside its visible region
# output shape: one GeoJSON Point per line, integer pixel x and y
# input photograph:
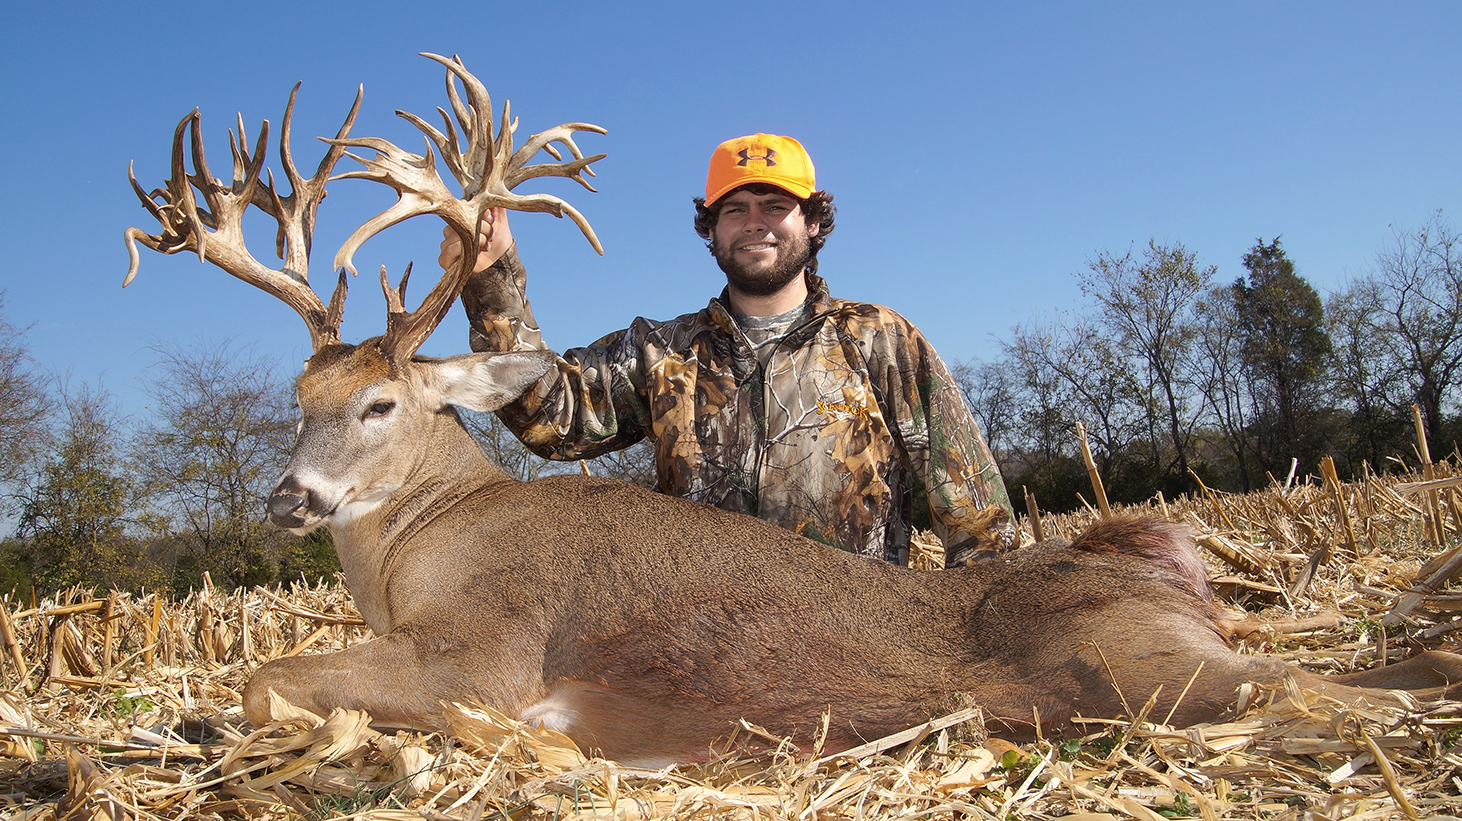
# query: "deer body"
{"type": "Point", "coordinates": [646, 626]}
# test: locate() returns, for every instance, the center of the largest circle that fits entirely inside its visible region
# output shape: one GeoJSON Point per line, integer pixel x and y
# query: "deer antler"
{"type": "Point", "coordinates": [186, 226]}
{"type": "Point", "coordinates": [487, 169]}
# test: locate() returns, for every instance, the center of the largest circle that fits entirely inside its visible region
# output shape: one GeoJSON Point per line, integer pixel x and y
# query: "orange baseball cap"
{"type": "Point", "coordinates": [780, 161]}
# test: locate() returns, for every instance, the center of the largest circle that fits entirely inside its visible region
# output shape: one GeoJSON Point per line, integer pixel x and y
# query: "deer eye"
{"type": "Point", "coordinates": [378, 409]}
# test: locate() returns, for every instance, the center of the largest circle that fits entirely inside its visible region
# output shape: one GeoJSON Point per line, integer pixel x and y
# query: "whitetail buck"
{"type": "Point", "coordinates": [641, 625]}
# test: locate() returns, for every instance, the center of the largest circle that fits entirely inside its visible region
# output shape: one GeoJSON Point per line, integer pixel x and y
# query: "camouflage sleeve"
{"type": "Point", "coordinates": [496, 301]}
{"type": "Point", "coordinates": [589, 405]}
{"type": "Point", "coordinates": [968, 507]}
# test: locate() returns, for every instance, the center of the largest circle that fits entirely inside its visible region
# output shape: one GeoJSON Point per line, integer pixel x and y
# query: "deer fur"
{"type": "Point", "coordinates": [645, 626]}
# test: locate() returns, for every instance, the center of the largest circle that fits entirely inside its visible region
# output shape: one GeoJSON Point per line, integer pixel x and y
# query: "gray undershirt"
{"type": "Point", "coordinates": [764, 332]}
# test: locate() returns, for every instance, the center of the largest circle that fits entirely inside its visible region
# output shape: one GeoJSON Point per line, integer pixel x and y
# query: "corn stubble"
{"type": "Point", "coordinates": [119, 706]}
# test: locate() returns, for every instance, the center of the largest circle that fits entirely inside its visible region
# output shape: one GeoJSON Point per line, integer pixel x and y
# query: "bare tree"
{"type": "Point", "coordinates": [221, 426]}
{"type": "Point", "coordinates": [1147, 305]}
{"type": "Point", "coordinates": [1217, 371]}
{"type": "Point", "coordinates": [1096, 387]}
{"type": "Point", "coordinates": [1038, 449]}
{"type": "Point", "coordinates": [24, 405]}
{"type": "Point", "coordinates": [1367, 376]}
{"type": "Point", "coordinates": [634, 464]}
{"type": "Point", "coordinates": [1416, 308]}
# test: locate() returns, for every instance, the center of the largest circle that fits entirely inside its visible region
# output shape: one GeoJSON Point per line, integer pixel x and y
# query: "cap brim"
{"type": "Point", "coordinates": [799, 191]}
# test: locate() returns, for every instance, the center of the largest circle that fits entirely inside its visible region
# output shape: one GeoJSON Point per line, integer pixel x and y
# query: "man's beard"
{"type": "Point", "coordinates": [792, 256]}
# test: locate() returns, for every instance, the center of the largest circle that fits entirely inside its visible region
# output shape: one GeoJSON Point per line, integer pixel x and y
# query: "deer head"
{"type": "Point", "coordinates": [202, 214]}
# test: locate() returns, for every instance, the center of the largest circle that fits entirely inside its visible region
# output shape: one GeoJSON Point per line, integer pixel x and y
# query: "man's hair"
{"type": "Point", "coordinates": [817, 208]}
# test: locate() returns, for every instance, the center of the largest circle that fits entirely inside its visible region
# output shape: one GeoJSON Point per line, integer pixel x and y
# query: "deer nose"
{"type": "Point", "coordinates": [288, 500]}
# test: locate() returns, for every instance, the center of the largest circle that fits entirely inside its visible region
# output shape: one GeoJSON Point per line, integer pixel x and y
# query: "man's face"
{"type": "Point", "coordinates": [761, 241]}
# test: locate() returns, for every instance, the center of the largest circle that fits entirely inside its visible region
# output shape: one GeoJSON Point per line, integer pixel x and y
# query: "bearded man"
{"type": "Point", "coordinates": [820, 415]}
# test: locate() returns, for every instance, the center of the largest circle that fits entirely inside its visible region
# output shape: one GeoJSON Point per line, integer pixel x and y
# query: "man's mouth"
{"type": "Point", "coordinates": [757, 246]}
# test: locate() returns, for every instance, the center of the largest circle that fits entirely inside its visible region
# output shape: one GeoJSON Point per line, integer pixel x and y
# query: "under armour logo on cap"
{"type": "Point", "coordinates": [765, 158]}
{"type": "Point", "coordinates": [770, 157]}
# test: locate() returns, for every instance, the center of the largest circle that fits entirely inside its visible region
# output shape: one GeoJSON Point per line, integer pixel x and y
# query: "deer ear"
{"type": "Point", "coordinates": [487, 381]}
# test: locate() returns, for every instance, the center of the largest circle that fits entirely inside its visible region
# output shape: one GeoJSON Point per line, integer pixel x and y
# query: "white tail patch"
{"type": "Point", "coordinates": [557, 712]}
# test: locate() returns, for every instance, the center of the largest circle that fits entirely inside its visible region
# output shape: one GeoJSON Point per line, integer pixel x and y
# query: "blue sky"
{"type": "Point", "coordinates": [980, 154]}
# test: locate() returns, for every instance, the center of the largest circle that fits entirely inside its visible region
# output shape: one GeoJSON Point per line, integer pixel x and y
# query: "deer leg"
{"type": "Point", "coordinates": [1430, 675]}
{"type": "Point", "coordinates": [1433, 673]}
{"type": "Point", "coordinates": [389, 677]}
{"type": "Point", "coordinates": [1193, 676]}
{"type": "Point", "coordinates": [1247, 628]}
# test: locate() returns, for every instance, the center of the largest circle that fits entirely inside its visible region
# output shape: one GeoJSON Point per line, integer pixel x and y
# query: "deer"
{"type": "Point", "coordinates": [646, 627]}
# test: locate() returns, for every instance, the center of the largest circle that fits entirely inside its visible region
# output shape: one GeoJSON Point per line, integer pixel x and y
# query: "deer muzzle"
{"type": "Point", "coordinates": [288, 504]}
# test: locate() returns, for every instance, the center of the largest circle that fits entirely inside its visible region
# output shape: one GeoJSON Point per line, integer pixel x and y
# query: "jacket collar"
{"type": "Point", "coordinates": [720, 307]}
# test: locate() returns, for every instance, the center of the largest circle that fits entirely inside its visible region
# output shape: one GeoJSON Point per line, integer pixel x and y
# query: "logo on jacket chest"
{"type": "Point", "coordinates": [842, 410]}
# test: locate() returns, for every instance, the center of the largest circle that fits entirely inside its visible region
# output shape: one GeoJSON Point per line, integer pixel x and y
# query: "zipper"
{"type": "Point", "coordinates": [762, 373]}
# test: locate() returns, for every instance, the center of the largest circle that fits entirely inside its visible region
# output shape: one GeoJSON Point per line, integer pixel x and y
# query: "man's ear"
{"type": "Point", "coordinates": [487, 381]}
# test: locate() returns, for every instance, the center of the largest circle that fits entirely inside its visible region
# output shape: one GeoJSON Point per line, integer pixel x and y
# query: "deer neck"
{"type": "Point", "coordinates": [449, 467]}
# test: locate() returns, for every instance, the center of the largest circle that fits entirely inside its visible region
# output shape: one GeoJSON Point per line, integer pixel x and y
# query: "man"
{"type": "Point", "coordinates": [818, 414]}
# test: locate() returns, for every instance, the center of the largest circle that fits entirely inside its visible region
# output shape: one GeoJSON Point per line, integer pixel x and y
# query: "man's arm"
{"type": "Point", "coordinates": [591, 403]}
{"type": "Point", "coordinates": [969, 509]}
{"type": "Point", "coordinates": [971, 504]}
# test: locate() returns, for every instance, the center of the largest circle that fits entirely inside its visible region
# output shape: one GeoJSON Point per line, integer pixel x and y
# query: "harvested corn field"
{"type": "Point", "coordinates": [120, 706]}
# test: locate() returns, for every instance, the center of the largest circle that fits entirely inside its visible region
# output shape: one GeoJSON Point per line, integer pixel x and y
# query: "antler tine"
{"type": "Point", "coordinates": [239, 147]}
{"type": "Point", "coordinates": [542, 141]}
{"type": "Point", "coordinates": [549, 204]}
{"type": "Point", "coordinates": [395, 297]}
{"type": "Point", "coordinates": [453, 152]}
{"type": "Point", "coordinates": [407, 330]}
{"type": "Point", "coordinates": [185, 218]}
{"type": "Point", "coordinates": [141, 194]}
{"type": "Point", "coordinates": [445, 142]}
{"type": "Point", "coordinates": [463, 113]}
{"type": "Point", "coordinates": [452, 148]}
{"type": "Point", "coordinates": [185, 225]}
{"type": "Point", "coordinates": [131, 237]}
{"type": "Point", "coordinates": [246, 168]}
{"type": "Point", "coordinates": [202, 180]}
{"type": "Point", "coordinates": [336, 310]}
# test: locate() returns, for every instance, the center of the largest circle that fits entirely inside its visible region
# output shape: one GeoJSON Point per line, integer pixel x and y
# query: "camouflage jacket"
{"type": "Point", "coordinates": [854, 411]}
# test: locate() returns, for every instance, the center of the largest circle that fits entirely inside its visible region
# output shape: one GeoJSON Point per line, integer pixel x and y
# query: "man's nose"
{"type": "Point", "coordinates": [755, 220]}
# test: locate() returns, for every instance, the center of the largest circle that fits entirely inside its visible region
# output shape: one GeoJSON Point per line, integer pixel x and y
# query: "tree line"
{"type": "Point", "coordinates": [1172, 373]}
{"type": "Point", "coordinates": [1178, 377]}
{"type": "Point", "coordinates": [99, 500]}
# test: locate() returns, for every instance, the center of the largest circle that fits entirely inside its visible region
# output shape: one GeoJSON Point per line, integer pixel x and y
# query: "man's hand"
{"type": "Point", "coordinates": [493, 240]}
